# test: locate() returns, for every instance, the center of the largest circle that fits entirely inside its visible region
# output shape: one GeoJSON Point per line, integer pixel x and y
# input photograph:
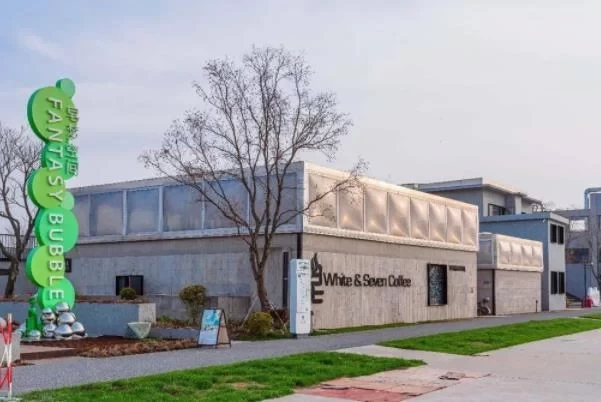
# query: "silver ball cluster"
{"type": "Point", "coordinates": [61, 323]}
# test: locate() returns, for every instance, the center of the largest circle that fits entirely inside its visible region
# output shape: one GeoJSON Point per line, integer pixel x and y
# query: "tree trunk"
{"type": "Point", "coordinates": [13, 271]}
{"type": "Point", "coordinates": [262, 293]}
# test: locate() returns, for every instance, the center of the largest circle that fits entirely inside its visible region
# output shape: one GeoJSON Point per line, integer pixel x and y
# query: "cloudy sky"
{"type": "Point", "coordinates": [508, 90]}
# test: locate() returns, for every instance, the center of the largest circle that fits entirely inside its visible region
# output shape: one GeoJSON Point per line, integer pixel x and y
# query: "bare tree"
{"type": "Point", "coordinates": [259, 118]}
{"type": "Point", "coordinates": [19, 157]}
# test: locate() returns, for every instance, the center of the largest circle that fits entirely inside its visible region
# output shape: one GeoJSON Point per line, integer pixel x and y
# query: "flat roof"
{"type": "Point", "coordinates": [536, 216]}
{"type": "Point", "coordinates": [473, 183]}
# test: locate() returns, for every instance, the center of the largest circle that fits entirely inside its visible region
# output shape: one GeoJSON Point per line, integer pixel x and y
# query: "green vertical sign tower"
{"type": "Point", "coordinates": [53, 118]}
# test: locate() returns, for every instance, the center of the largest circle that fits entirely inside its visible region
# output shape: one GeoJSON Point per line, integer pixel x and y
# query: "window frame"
{"type": "Point", "coordinates": [446, 284]}
{"type": "Point", "coordinates": [553, 233]}
{"type": "Point", "coordinates": [129, 284]}
{"type": "Point", "coordinates": [554, 282]}
{"type": "Point", "coordinates": [561, 282]}
{"type": "Point", "coordinates": [501, 209]}
{"type": "Point", "coordinates": [560, 234]}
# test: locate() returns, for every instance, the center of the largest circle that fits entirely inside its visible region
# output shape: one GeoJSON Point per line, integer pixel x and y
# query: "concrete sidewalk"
{"type": "Point", "coordinates": [553, 370]}
{"type": "Point", "coordinates": [77, 371]}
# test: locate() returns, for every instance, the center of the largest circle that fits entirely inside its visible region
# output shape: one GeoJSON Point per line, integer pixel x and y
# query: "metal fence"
{"type": "Point", "coordinates": [10, 242]}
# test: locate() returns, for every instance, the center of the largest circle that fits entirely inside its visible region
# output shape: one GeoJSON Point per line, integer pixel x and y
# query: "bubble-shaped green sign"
{"type": "Point", "coordinates": [53, 118]}
{"type": "Point", "coordinates": [61, 158]}
{"type": "Point", "coordinates": [52, 114]}
{"type": "Point", "coordinates": [45, 265]}
{"type": "Point", "coordinates": [46, 188]}
{"type": "Point", "coordinates": [60, 291]}
{"type": "Point", "coordinates": [57, 227]}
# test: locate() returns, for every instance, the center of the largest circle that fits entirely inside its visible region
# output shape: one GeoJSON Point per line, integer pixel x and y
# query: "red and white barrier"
{"type": "Point", "coordinates": [6, 362]}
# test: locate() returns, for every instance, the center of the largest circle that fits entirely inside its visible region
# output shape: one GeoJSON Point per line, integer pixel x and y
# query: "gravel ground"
{"type": "Point", "coordinates": [76, 371]}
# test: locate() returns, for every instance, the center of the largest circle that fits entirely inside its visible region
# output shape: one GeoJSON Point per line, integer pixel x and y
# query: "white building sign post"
{"type": "Point", "coordinates": [300, 297]}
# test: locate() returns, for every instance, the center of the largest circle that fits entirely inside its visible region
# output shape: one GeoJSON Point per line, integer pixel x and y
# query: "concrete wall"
{"type": "Point", "coordinates": [492, 197]}
{"type": "Point", "coordinates": [220, 264]}
{"type": "Point", "coordinates": [345, 306]}
{"type": "Point", "coordinates": [97, 318]}
{"type": "Point", "coordinates": [517, 292]}
{"type": "Point", "coordinates": [556, 261]}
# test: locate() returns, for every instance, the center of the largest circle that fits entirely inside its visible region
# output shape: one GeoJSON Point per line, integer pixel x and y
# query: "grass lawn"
{"type": "Point", "coordinates": [249, 381]}
{"type": "Point", "coordinates": [596, 316]}
{"type": "Point", "coordinates": [485, 339]}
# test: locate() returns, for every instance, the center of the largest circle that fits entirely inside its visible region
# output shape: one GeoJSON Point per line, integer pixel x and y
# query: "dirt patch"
{"type": "Point", "coordinates": [107, 346]}
{"type": "Point", "coordinates": [245, 385]}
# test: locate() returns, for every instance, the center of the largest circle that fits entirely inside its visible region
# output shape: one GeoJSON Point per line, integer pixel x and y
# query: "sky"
{"type": "Point", "coordinates": [437, 90]}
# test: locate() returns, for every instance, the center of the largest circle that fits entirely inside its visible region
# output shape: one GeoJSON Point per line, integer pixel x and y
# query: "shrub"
{"type": "Point", "coordinates": [280, 317]}
{"type": "Point", "coordinates": [259, 324]}
{"type": "Point", "coordinates": [128, 294]}
{"type": "Point", "coordinates": [193, 297]}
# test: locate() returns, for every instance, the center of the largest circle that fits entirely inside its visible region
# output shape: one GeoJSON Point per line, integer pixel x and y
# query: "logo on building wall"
{"type": "Point", "coordinates": [319, 278]}
{"type": "Point", "coordinates": [316, 281]}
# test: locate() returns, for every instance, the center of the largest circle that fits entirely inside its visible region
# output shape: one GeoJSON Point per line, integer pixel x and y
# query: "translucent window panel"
{"type": "Point", "coordinates": [82, 212]}
{"type": "Point", "coordinates": [438, 222]}
{"type": "Point", "coordinates": [288, 205]}
{"type": "Point", "coordinates": [229, 195]}
{"type": "Point", "coordinates": [470, 227]}
{"type": "Point", "coordinates": [322, 212]}
{"type": "Point", "coordinates": [516, 254]}
{"type": "Point", "coordinates": [399, 215]}
{"type": "Point", "coordinates": [527, 255]}
{"type": "Point", "coordinates": [419, 218]}
{"type": "Point", "coordinates": [182, 208]}
{"type": "Point", "coordinates": [375, 210]}
{"type": "Point", "coordinates": [537, 256]}
{"type": "Point", "coordinates": [504, 252]}
{"type": "Point", "coordinates": [351, 209]}
{"type": "Point", "coordinates": [485, 252]}
{"type": "Point", "coordinates": [454, 225]}
{"type": "Point", "coordinates": [143, 211]}
{"type": "Point", "coordinates": [106, 214]}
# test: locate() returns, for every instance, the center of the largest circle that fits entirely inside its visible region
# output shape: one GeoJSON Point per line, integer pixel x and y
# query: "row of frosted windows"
{"type": "Point", "coordinates": [102, 214]}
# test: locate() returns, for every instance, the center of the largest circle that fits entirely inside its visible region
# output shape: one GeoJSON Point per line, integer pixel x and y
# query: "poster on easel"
{"type": "Point", "coordinates": [213, 328]}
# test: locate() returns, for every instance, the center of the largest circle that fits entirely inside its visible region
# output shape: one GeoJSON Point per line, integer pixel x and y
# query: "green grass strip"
{"type": "Point", "coordinates": [596, 316]}
{"type": "Point", "coordinates": [484, 339]}
{"type": "Point", "coordinates": [249, 381]}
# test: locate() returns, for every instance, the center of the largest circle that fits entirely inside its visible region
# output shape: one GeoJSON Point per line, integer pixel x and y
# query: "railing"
{"type": "Point", "coordinates": [10, 242]}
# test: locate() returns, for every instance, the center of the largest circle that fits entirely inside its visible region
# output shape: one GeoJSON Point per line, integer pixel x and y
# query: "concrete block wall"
{"type": "Point", "coordinates": [346, 306]}
{"type": "Point", "coordinates": [517, 292]}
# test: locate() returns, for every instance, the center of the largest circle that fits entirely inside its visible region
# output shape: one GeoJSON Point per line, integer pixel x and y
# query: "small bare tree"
{"type": "Point", "coordinates": [19, 157]}
{"type": "Point", "coordinates": [259, 118]}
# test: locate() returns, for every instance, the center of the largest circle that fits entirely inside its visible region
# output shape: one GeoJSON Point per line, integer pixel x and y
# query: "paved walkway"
{"type": "Point", "coordinates": [554, 370]}
{"type": "Point", "coordinates": [76, 371]}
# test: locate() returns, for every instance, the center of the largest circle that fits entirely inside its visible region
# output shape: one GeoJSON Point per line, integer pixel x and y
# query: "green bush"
{"type": "Point", "coordinates": [259, 324]}
{"type": "Point", "coordinates": [193, 297]}
{"type": "Point", "coordinates": [128, 294]}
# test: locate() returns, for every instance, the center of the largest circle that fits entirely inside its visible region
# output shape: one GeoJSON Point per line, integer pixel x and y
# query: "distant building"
{"type": "Point", "coordinates": [583, 244]}
{"type": "Point", "coordinates": [505, 210]}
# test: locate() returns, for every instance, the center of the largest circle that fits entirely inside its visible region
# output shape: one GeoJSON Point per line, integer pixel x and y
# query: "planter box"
{"type": "Point", "coordinates": [97, 318]}
{"type": "Point", "coordinates": [112, 319]}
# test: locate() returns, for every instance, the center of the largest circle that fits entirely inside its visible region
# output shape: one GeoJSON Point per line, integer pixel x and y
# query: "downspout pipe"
{"type": "Point", "coordinates": [587, 193]}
